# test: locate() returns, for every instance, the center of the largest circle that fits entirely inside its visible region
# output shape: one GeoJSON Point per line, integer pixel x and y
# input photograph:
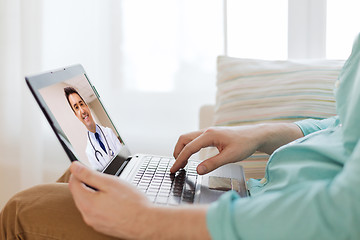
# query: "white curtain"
{"type": "Point", "coordinates": [21, 134]}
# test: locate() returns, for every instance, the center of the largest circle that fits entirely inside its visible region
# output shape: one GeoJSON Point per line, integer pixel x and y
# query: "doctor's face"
{"type": "Point", "coordinates": [82, 111]}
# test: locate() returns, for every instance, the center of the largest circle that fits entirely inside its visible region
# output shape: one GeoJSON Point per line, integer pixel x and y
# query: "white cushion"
{"type": "Point", "coordinates": [251, 91]}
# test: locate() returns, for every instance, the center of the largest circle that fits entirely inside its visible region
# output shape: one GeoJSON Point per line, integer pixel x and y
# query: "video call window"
{"type": "Point", "coordinates": [84, 121]}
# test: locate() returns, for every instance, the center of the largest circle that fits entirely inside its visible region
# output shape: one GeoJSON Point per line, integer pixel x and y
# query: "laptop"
{"type": "Point", "coordinates": [73, 108]}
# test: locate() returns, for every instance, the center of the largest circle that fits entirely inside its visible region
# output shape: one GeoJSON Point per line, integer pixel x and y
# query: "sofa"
{"type": "Point", "coordinates": [252, 91]}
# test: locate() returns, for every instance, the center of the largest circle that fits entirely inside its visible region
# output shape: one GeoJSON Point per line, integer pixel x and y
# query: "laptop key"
{"type": "Point", "coordinates": [151, 198]}
{"type": "Point", "coordinates": [162, 187]}
{"type": "Point", "coordinates": [161, 199]}
{"type": "Point", "coordinates": [174, 200]}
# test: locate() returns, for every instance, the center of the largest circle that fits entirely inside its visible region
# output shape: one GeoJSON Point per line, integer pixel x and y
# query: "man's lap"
{"type": "Point", "coordinates": [44, 211]}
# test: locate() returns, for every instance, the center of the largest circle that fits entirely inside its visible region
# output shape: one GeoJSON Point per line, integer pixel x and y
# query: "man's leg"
{"type": "Point", "coordinates": [44, 212]}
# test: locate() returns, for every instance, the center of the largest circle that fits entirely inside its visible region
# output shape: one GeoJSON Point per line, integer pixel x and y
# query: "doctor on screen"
{"type": "Point", "coordinates": [102, 143]}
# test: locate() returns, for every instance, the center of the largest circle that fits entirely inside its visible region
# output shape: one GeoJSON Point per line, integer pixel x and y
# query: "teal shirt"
{"type": "Point", "coordinates": [312, 187]}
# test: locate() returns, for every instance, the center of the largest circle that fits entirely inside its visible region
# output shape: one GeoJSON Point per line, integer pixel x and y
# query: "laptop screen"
{"type": "Point", "coordinates": [77, 115]}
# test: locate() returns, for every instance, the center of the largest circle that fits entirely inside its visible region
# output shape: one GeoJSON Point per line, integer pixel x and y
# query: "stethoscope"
{"type": "Point", "coordinates": [97, 152]}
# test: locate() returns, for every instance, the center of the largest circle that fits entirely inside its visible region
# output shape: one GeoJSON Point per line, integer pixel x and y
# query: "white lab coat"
{"type": "Point", "coordinates": [112, 145]}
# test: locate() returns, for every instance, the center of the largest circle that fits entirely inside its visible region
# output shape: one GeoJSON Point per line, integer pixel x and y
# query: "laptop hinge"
{"type": "Point", "coordinates": [119, 171]}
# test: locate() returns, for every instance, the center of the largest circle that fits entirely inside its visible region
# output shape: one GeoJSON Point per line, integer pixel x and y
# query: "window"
{"type": "Point", "coordinates": [257, 29]}
{"type": "Point", "coordinates": [343, 20]}
{"type": "Point", "coordinates": [280, 29]}
{"type": "Point", "coordinates": [172, 47]}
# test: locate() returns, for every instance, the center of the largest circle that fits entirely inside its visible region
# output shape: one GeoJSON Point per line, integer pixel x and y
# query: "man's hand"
{"type": "Point", "coordinates": [116, 209]}
{"type": "Point", "coordinates": [234, 143]}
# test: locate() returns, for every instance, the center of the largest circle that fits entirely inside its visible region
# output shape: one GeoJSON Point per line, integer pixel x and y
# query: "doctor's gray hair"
{"type": "Point", "coordinates": [71, 90]}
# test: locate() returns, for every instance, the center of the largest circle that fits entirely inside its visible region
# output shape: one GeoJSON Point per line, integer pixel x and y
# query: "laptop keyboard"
{"type": "Point", "coordinates": [161, 187]}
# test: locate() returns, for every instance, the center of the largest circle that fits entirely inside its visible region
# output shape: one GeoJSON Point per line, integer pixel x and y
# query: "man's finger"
{"type": "Point", "coordinates": [183, 141]}
{"type": "Point", "coordinates": [82, 195]}
{"type": "Point", "coordinates": [90, 177]}
{"type": "Point", "coordinates": [192, 147]}
{"type": "Point", "coordinates": [214, 162]}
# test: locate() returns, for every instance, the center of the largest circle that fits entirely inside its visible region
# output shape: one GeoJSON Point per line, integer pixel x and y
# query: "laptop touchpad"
{"type": "Point", "coordinates": [224, 184]}
{"type": "Point", "coordinates": [220, 183]}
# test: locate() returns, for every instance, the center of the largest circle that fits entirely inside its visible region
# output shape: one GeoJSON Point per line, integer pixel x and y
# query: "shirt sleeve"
{"type": "Point", "coordinates": [308, 126]}
{"type": "Point", "coordinates": [322, 209]}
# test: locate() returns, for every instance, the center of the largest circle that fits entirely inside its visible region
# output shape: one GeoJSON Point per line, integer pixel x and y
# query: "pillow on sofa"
{"type": "Point", "coordinates": [253, 91]}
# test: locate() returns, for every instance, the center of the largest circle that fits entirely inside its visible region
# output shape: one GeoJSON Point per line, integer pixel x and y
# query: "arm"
{"type": "Point", "coordinates": [234, 143]}
{"type": "Point", "coordinates": [321, 209]}
{"type": "Point", "coordinates": [119, 210]}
